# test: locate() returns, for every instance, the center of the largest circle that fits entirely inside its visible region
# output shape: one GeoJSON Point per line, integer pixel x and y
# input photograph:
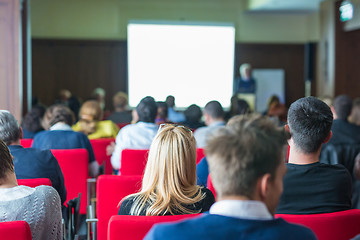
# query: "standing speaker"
{"type": "Point", "coordinates": [309, 64]}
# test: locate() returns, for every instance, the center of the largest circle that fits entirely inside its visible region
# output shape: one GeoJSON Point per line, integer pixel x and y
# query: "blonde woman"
{"type": "Point", "coordinates": [169, 183]}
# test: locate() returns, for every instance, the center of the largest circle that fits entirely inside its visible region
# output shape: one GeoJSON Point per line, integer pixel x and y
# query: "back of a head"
{"type": "Point", "coordinates": [355, 112]}
{"type": "Point", "coordinates": [310, 121]}
{"type": "Point", "coordinates": [6, 161]}
{"type": "Point", "coordinates": [147, 110]}
{"type": "Point", "coordinates": [342, 106]}
{"type": "Point", "coordinates": [57, 113]}
{"type": "Point", "coordinates": [242, 107]}
{"type": "Point", "coordinates": [32, 120]}
{"type": "Point", "coordinates": [91, 109]}
{"type": "Point", "coordinates": [240, 153]}
{"type": "Point", "coordinates": [9, 127]}
{"type": "Point", "coordinates": [162, 110]}
{"type": "Point", "coordinates": [193, 113]}
{"type": "Point", "coordinates": [214, 110]}
{"type": "Point", "coordinates": [120, 100]}
{"type": "Point", "coordinates": [170, 101]}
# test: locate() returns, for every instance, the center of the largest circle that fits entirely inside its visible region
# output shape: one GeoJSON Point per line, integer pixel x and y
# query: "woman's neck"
{"type": "Point", "coordinates": [8, 181]}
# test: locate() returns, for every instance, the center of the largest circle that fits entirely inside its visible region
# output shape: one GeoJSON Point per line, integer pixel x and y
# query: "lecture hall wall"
{"type": "Point", "coordinates": [81, 44]}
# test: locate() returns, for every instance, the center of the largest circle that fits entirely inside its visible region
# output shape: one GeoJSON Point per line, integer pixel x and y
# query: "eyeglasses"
{"type": "Point", "coordinates": [161, 126]}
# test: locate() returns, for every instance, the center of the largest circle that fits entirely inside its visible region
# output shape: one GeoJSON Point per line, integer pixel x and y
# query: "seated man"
{"type": "Point", "coordinates": [39, 207]}
{"type": "Point", "coordinates": [311, 186]}
{"type": "Point", "coordinates": [214, 119]}
{"type": "Point", "coordinates": [30, 162]}
{"type": "Point", "coordinates": [138, 135]}
{"type": "Point", "coordinates": [247, 167]}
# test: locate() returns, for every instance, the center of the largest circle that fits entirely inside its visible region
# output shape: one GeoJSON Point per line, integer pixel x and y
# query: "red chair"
{"type": "Point", "coordinates": [121, 125]}
{"type": "Point", "coordinates": [74, 164]}
{"type": "Point", "coordinates": [136, 227]}
{"type": "Point", "coordinates": [99, 147]}
{"type": "Point", "coordinates": [110, 190]}
{"type": "Point", "coordinates": [34, 182]}
{"type": "Point", "coordinates": [15, 230]}
{"type": "Point", "coordinates": [26, 142]}
{"type": "Point", "coordinates": [210, 186]}
{"type": "Point", "coordinates": [329, 226]}
{"type": "Point", "coordinates": [199, 154]}
{"type": "Point", "coordinates": [133, 161]}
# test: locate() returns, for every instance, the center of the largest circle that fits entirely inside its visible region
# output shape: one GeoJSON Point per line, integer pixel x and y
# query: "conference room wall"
{"type": "Point", "coordinates": [82, 65]}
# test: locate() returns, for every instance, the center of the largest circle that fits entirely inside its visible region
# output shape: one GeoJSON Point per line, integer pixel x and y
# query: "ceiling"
{"type": "Point", "coordinates": [283, 5]}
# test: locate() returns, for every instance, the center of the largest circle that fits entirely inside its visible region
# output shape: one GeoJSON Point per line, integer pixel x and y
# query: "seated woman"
{"type": "Point", "coordinates": [90, 123]}
{"type": "Point", "coordinates": [40, 207]}
{"type": "Point", "coordinates": [32, 121]}
{"type": "Point", "coordinates": [169, 183]}
{"type": "Point", "coordinates": [57, 120]}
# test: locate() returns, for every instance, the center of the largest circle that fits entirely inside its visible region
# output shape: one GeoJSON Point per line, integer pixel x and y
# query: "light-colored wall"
{"type": "Point", "coordinates": [107, 19]}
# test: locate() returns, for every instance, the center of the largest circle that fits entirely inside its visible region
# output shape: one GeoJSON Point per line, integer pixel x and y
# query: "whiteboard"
{"type": "Point", "coordinates": [268, 83]}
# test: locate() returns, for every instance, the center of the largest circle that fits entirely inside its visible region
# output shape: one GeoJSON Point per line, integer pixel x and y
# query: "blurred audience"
{"type": "Point", "coordinates": [173, 115]}
{"type": "Point", "coordinates": [32, 121]}
{"type": "Point", "coordinates": [354, 117]}
{"type": "Point", "coordinates": [193, 115]}
{"type": "Point", "coordinates": [162, 113]}
{"type": "Point", "coordinates": [66, 98]}
{"type": "Point", "coordinates": [121, 114]}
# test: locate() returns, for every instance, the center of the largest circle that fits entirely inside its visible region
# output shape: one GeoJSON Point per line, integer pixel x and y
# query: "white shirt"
{"type": "Point", "coordinates": [60, 126]}
{"type": "Point", "coordinates": [201, 134]}
{"type": "Point", "coordinates": [248, 209]}
{"type": "Point", "coordinates": [133, 136]}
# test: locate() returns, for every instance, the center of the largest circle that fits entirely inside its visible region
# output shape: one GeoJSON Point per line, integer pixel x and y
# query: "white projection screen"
{"type": "Point", "coordinates": [193, 62]}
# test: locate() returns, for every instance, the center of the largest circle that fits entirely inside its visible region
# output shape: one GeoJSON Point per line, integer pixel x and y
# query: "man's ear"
{"type": "Point", "coordinates": [264, 182]}
{"type": "Point", "coordinates": [287, 128]}
{"type": "Point", "coordinates": [328, 137]}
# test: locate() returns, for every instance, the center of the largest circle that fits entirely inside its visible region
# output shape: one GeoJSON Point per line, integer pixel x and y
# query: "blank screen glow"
{"type": "Point", "coordinates": [194, 63]}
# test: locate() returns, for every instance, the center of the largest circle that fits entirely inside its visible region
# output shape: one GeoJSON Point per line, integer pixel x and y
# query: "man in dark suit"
{"type": "Point", "coordinates": [30, 162]}
{"type": "Point", "coordinates": [247, 167]}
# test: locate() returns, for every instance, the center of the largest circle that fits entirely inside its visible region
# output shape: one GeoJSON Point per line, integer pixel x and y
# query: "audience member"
{"type": "Point", "coordinates": [169, 183]}
{"type": "Point", "coordinates": [66, 98]}
{"type": "Point", "coordinates": [59, 135]}
{"type": "Point", "coordinates": [99, 95]}
{"type": "Point", "coordinates": [90, 122]}
{"type": "Point", "coordinates": [30, 162]}
{"type": "Point", "coordinates": [121, 113]}
{"type": "Point", "coordinates": [173, 115]}
{"type": "Point", "coordinates": [246, 83]}
{"type": "Point", "coordinates": [32, 121]}
{"type": "Point", "coordinates": [214, 119]}
{"type": "Point", "coordinates": [193, 115]}
{"type": "Point", "coordinates": [40, 207]}
{"type": "Point", "coordinates": [247, 169]}
{"type": "Point", "coordinates": [162, 113]}
{"type": "Point", "coordinates": [354, 117]}
{"type": "Point", "coordinates": [138, 135]}
{"type": "Point", "coordinates": [345, 142]}
{"type": "Point", "coordinates": [237, 107]}
{"type": "Point", "coordinates": [311, 186]}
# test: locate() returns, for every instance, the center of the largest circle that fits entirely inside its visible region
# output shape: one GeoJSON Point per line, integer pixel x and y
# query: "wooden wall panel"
{"type": "Point", "coordinates": [82, 65]}
{"type": "Point", "coordinates": [347, 58]}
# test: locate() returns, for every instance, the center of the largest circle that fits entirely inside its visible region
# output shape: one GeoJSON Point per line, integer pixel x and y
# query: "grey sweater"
{"type": "Point", "coordinates": [40, 207]}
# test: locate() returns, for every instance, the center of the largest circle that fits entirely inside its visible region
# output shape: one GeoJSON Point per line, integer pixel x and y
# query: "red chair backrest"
{"type": "Point", "coordinates": [99, 147]}
{"type": "Point", "coordinates": [329, 226]}
{"type": "Point", "coordinates": [133, 161]}
{"type": "Point", "coordinates": [136, 227]}
{"type": "Point", "coordinates": [199, 154]}
{"type": "Point", "coordinates": [110, 190]}
{"type": "Point", "coordinates": [210, 186]}
{"type": "Point", "coordinates": [26, 142]}
{"type": "Point", "coordinates": [35, 182]}
{"type": "Point", "coordinates": [15, 230]}
{"type": "Point", "coordinates": [74, 164]}
{"type": "Point", "coordinates": [121, 125]}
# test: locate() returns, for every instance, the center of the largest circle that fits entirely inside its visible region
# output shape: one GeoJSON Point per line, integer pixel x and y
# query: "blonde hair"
{"type": "Point", "coordinates": [91, 108]}
{"type": "Point", "coordinates": [169, 180]}
{"type": "Point", "coordinates": [120, 100]}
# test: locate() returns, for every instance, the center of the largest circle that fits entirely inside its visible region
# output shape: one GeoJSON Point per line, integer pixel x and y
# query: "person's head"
{"type": "Point", "coordinates": [245, 70]}
{"type": "Point", "coordinates": [169, 180]}
{"type": "Point", "coordinates": [147, 110]}
{"type": "Point", "coordinates": [162, 111]}
{"type": "Point", "coordinates": [64, 95]}
{"type": "Point", "coordinates": [32, 120]}
{"type": "Point", "coordinates": [309, 122]}
{"type": "Point", "coordinates": [90, 113]}
{"type": "Point", "coordinates": [355, 112]}
{"type": "Point", "coordinates": [120, 101]}
{"type": "Point", "coordinates": [246, 159]}
{"type": "Point", "coordinates": [274, 99]}
{"type": "Point", "coordinates": [6, 162]}
{"type": "Point", "coordinates": [10, 131]}
{"type": "Point", "coordinates": [57, 113]}
{"type": "Point", "coordinates": [213, 111]}
{"type": "Point", "coordinates": [193, 113]}
{"type": "Point", "coordinates": [99, 95]}
{"type": "Point", "coordinates": [342, 107]}
{"type": "Point", "coordinates": [170, 101]}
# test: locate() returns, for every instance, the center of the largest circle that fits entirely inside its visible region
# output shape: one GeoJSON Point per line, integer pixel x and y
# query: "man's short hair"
{"type": "Point", "coordinates": [214, 109]}
{"type": "Point", "coordinates": [147, 110]}
{"type": "Point", "coordinates": [9, 127]}
{"type": "Point", "coordinates": [342, 106]}
{"type": "Point", "coordinates": [6, 160]}
{"type": "Point", "coordinates": [170, 101]}
{"type": "Point", "coordinates": [243, 151]}
{"type": "Point", "coordinates": [310, 121]}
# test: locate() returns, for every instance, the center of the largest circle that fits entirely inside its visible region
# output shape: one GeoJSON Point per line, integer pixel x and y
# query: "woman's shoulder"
{"type": "Point", "coordinates": [126, 204]}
